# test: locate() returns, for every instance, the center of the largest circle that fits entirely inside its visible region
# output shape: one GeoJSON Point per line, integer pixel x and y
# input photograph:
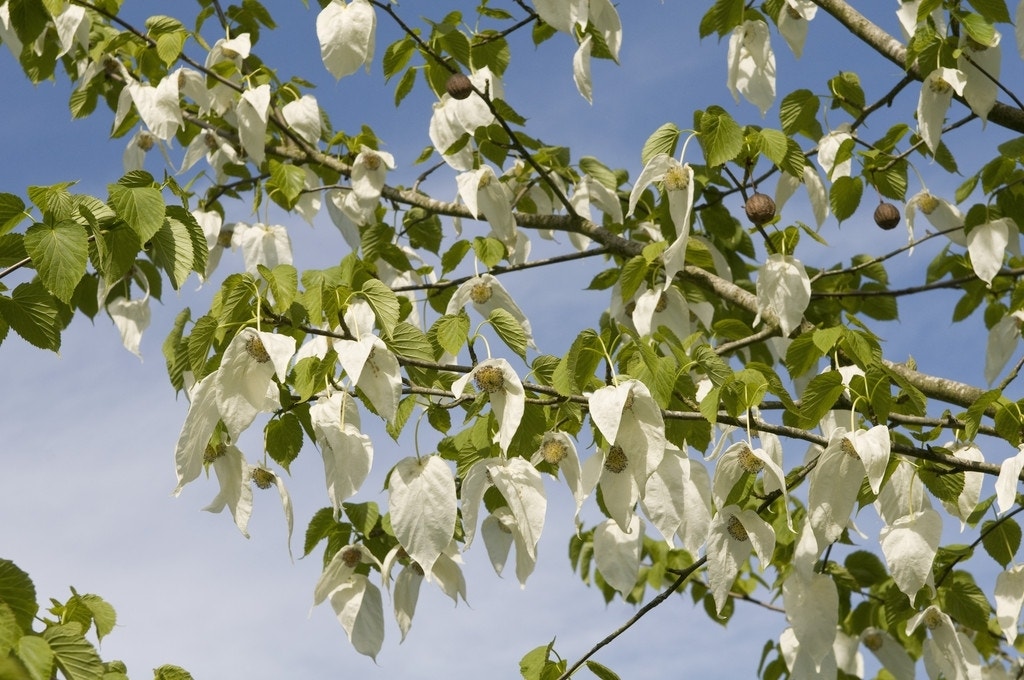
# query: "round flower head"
{"type": "Point", "coordinates": [504, 391]}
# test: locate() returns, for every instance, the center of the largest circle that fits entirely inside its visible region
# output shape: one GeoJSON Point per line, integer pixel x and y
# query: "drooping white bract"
{"type": "Point", "coordinates": [908, 18]}
{"type": "Point", "coordinates": [499, 531]}
{"type": "Point", "coordinates": [200, 422]}
{"type": "Point", "coordinates": [504, 391]}
{"type": "Point", "coordinates": [72, 26]}
{"type": "Point", "coordinates": [617, 553]}
{"type": "Point", "coordinates": [422, 503]}
{"type": "Point", "coordinates": [678, 183]}
{"type": "Point", "coordinates": [341, 567]}
{"type": "Point", "coordinates": [253, 110]}
{"type": "Point", "coordinates": [346, 32]}
{"type": "Point", "coordinates": [816, 192]}
{"type": "Point", "coordinates": [1006, 482]}
{"type": "Point", "coordinates": [834, 484]}
{"type": "Point", "coordinates": [264, 479]}
{"type": "Point", "coordinates": [942, 215]}
{"type": "Point", "coordinates": [486, 294]}
{"type": "Point", "coordinates": [346, 451]}
{"type": "Point", "coordinates": [221, 96]}
{"type": "Point", "coordinates": [733, 535]}
{"type": "Point", "coordinates": [903, 493]}
{"type": "Point", "coordinates": [453, 118]}
{"type": "Point", "coordinates": [139, 144]}
{"type": "Point", "coordinates": [947, 647]}
{"type": "Point", "coordinates": [812, 609]}
{"type": "Point", "coordinates": [235, 481]}
{"type": "Point", "coordinates": [980, 65]}
{"type": "Point", "coordinates": [909, 545]}
{"type": "Point", "coordinates": [558, 449]}
{"type": "Point", "coordinates": [581, 69]}
{"type": "Point", "coordinates": [741, 459]}
{"type": "Point", "coordinates": [889, 652]}
{"type": "Point", "coordinates": [1009, 595]}
{"type": "Point", "coordinates": [303, 116]}
{"type": "Point", "coordinates": [968, 499]}
{"type": "Point", "coordinates": [751, 64]}
{"type": "Point", "coordinates": [369, 363]}
{"type": "Point", "coordinates": [587, 192]}
{"type": "Point", "coordinates": [1002, 342]}
{"type": "Point", "coordinates": [357, 605]}
{"type": "Point", "coordinates": [628, 418]}
{"type": "Point", "coordinates": [573, 17]}
{"type": "Point", "coordinates": [131, 318]}
{"type": "Point", "coordinates": [800, 664]}
{"type": "Point", "coordinates": [159, 107]}
{"type": "Point", "coordinates": [266, 244]}
{"type": "Point", "coordinates": [656, 307]}
{"type": "Point", "coordinates": [485, 195]}
{"type": "Point", "coordinates": [369, 171]}
{"type": "Point", "coordinates": [217, 151]}
{"type": "Point", "coordinates": [406, 592]}
{"type": "Point", "coordinates": [936, 95]}
{"type": "Point", "coordinates": [828, 150]}
{"type": "Point", "coordinates": [783, 291]}
{"type": "Point", "coordinates": [987, 244]}
{"type": "Point", "coordinates": [793, 20]}
{"type": "Point", "coordinates": [244, 382]}
{"type": "Point", "coordinates": [677, 499]}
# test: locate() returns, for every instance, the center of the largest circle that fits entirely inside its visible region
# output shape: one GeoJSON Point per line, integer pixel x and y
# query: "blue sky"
{"type": "Point", "coordinates": [89, 434]}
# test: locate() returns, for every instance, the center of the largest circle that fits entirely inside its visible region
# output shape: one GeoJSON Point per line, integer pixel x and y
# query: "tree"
{"type": "Point", "coordinates": [730, 414]}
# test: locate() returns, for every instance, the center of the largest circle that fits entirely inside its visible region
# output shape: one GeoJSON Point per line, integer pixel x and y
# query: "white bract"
{"type": "Point", "coordinates": [942, 214]}
{"type": "Point", "coordinates": [559, 450]}
{"type": "Point", "coordinates": [422, 503]}
{"type": "Point", "coordinates": [752, 64]}
{"type": "Point", "coordinates": [987, 244]}
{"type": "Point", "coordinates": [346, 451]}
{"type": "Point", "coordinates": [486, 294]}
{"type": "Point", "coordinates": [980, 65]}
{"type": "Point", "coordinates": [783, 291]}
{"type": "Point", "coordinates": [253, 112]}
{"type": "Point", "coordinates": [487, 196]}
{"type": "Point", "coordinates": [617, 553]}
{"type": "Point", "coordinates": [828, 150]}
{"type": "Point", "coordinates": [1009, 596]}
{"type": "Point", "coordinates": [131, 318]}
{"type": "Point", "coordinates": [793, 20]}
{"type": "Point", "coordinates": [245, 380]}
{"type": "Point", "coordinates": [628, 418]}
{"type": "Point", "coordinates": [1002, 342]}
{"type": "Point", "coordinates": [235, 481]}
{"type": "Point", "coordinates": [816, 192]}
{"type": "Point", "coordinates": [1006, 482]}
{"type": "Point", "coordinates": [936, 94]}
{"type": "Point", "coordinates": [504, 391]}
{"type": "Point", "coordinates": [347, 32]}
{"type": "Point", "coordinates": [733, 535]}
{"type": "Point", "coordinates": [262, 244]}
{"type": "Point", "coordinates": [453, 118]}
{"type": "Point", "coordinates": [677, 499]}
{"type": "Point", "coordinates": [303, 116]}
{"type": "Point", "coordinates": [574, 17]}
{"type": "Point", "coordinates": [677, 179]}
{"type": "Point", "coordinates": [909, 545]}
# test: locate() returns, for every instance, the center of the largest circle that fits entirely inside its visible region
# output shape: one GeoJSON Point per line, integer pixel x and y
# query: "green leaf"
{"type": "Point", "coordinates": [35, 653]}
{"type": "Point", "coordinates": [1001, 539]}
{"type": "Point", "coordinates": [12, 211]}
{"type": "Point", "coordinates": [75, 657]}
{"type": "Point", "coordinates": [397, 55]}
{"type": "Point", "coordinates": [410, 342]}
{"type": "Point", "coordinates": [844, 196]}
{"type": "Point", "coordinates": [172, 251]}
{"type": "Point", "coordinates": [866, 568]}
{"type": "Point", "coordinates": [19, 593]}
{"type": "Point", "coordinates": [283, 283]}
{"type": "Point", "coordinates": [720, 136]}
{"type": "Point", "coordinates": [632, 275]}
{"type": "Point", "coordinates": [601, 671]}
{"type": "Point", "coordinates": [384, 303]}
{"type": "Point", "coordinates": [993, 10]}
{"type": "Point", "coordinates": [944, 483]}
{"type": "Point", "coordinates": [451, 332]}
{"type": "Point", "coordinates": [576, 368]}
{"type": "Point", "coordinates": [599, 171]}
{"type": "Point", "coordinates": [798, 112]}
{"type": "Point", "coordinates": [283, 439]}
{"type": "Point", "coordinates": [978, 28]}
{"type": "Point", "coordinates": [142, 207]}
{"type": "Point", "coordinates": [820, 396]}
{"type": "Point", "coordinates": [488, 250]}
{"type": "Point", "coordinates": [964, 601]}
{"type": "Point", "coordinates": [33, 314]}
{"type": "Point", "coordinates": [509, 330]}
{"type": "Point", "coordinates": [531, 666]}
{"type": "Point", "coordinates": [285, 184]}
{"type": "Point", "coordinates": [60, 253]}
{"type": "Point", "coordinates": [663, 140]}
{"type": "Point", "coordinates": [169, 672]}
